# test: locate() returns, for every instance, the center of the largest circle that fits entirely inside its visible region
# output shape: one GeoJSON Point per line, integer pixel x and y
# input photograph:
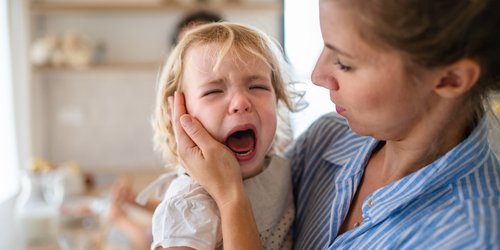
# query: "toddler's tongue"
{"type": "Point", "coordinates": [242, 141]}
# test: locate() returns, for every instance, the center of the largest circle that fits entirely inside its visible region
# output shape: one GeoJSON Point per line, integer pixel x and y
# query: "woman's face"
{"type": "Point", "coordinates": [368, 85]}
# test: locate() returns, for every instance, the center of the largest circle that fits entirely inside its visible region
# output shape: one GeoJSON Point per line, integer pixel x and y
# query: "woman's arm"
{"type": "Point", "coordinates": [215, 168]}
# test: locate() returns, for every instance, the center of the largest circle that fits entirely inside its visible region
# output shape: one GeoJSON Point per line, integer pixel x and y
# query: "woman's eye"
{"type": "Point", "coordinates": [212, 92]}
{"type": "Point", "coordinates": [342, 66]}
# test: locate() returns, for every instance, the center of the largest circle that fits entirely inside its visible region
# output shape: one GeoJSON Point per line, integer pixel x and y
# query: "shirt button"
{"type": "Point", "coordinates": [370, 202]}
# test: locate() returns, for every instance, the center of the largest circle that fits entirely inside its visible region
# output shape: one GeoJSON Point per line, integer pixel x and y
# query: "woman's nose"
{"type": "Point", "coordinates": [323, 75]}
{"type": "Point", "coordinates": [239, 103]}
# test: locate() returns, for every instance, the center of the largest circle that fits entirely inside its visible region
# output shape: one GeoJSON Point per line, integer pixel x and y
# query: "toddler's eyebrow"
{"type": "Point", "coordinates": [216, 81]}
{"type": "Point", "coordinates": [257, 77]}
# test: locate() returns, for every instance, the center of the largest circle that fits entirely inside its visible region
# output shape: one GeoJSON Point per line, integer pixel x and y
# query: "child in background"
{"type": "Point", "coordinates": [193, 20]}
{"type": "Point", "coordinates": [233, 82]}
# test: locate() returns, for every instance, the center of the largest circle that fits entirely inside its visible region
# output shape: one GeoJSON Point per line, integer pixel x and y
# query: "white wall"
{"type": "Point", "coordinates": [303, 44]}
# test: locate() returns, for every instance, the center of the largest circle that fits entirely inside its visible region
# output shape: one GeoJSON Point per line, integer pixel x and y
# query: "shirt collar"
{"type": "Point", "coordinates": [350, 151]}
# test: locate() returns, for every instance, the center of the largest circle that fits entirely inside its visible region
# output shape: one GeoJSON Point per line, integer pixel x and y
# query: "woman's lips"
{"type": "Point", "coordinates": [339, 109]}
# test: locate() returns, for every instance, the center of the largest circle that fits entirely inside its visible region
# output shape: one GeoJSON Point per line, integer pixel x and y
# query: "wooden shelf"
{"type": "Point", "coordinates": [101, 67]}
{"type": "Point", "coordinates": [45, 8]}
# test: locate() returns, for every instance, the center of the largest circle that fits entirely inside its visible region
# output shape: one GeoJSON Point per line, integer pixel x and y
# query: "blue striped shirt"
{"type": "Point", "coordinates": [453, 203]}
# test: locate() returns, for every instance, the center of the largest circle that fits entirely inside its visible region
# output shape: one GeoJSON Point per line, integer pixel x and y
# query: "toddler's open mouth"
{"type": "Point", "coordinates": [242, 143]}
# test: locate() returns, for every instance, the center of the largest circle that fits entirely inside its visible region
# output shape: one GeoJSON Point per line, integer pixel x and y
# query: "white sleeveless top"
{"type": "Point", "coordinates": [188, 216]}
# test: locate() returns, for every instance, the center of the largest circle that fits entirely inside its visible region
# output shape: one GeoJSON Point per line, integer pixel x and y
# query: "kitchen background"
{"type": "Point", "coordinates": [93, 107]}
{"type": "Point", "coordinates": [84, 74]}
{"type": "Point", "coordinates": [85, 71]}
{"type": "Point", "coordinates": [96, 112]}
{"type": "Point", "coordinates": [91, 69]}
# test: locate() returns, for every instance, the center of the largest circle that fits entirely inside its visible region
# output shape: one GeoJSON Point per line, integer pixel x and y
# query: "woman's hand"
{"type": "Point", "coordinates": [215, 168]}
{"type": "Point", "coordinates": [208, 161]}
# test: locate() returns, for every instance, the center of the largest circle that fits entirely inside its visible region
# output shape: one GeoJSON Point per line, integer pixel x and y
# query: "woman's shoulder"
{"type": "Point", "coordinates": [478, 199]}
{"type": "Point", "coordinates": [482, 184]}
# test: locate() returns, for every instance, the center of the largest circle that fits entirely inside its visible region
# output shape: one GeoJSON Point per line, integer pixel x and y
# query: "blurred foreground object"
{"type": "Point", "coordinates": [36, 219]}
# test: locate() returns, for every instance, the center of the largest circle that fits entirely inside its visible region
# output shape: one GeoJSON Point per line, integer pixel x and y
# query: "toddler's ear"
{"type": "Point", "coordinates": [458, 78]}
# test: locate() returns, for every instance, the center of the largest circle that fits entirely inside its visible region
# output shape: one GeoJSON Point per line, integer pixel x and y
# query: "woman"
{"type": "Point", "coordinates": [407, 163]}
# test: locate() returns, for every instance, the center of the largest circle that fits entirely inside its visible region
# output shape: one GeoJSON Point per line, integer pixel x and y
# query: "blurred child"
{"type": "Point", "coordinates": [193, 20]}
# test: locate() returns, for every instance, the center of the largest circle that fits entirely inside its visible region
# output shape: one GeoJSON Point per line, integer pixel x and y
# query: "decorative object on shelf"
{"type": "Point", "coordinates": [77, 49]}
{"type": "Point", "coordinates": [40, 165]}
{"type": "Point", "coordinates": [100, 53]}
{"type": "Point", "coordinates": [72, 49]}
{"type": "Point", "coordinates": [43, 50]}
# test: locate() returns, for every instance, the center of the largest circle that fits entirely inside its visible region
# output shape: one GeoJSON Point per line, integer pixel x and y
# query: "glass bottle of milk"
{"type": "Point", "coordinates": [37, 219]}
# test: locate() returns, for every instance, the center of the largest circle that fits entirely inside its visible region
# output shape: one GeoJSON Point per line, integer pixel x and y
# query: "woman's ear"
{"type": "Point", "coordinates": [457, 78]}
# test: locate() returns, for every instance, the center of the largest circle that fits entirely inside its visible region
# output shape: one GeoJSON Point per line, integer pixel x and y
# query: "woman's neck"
{"type": "Point", "coordinates": [424, 145]}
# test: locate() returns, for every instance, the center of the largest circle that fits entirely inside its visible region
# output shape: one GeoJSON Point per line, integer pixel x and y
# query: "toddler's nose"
{"type": "Point", "coordinates": [240, 103]}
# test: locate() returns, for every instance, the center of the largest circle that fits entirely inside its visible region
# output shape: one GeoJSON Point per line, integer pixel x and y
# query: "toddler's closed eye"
{"type": "Point", "coordinates": [212, 92]}
{"type": "Point", "coordinates": [260, 87]}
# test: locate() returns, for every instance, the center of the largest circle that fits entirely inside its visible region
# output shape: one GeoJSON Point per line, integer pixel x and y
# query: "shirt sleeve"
{"type": "Point", "coordinates": [188, 217]}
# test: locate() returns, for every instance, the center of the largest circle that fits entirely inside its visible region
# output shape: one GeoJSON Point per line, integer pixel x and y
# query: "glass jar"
{"type": "Point", "coordinates": [37, 219]}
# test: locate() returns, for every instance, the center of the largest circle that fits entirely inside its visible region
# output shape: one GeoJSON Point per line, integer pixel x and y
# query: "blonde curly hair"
{"type": "Point", "coordinates": [229, 36]}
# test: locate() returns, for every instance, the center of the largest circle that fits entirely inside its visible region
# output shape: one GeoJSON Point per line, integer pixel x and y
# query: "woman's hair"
{"type": "Point", "coordinates": [434, 33]}
{"type": "Point", "coordinates": [233, 38]}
